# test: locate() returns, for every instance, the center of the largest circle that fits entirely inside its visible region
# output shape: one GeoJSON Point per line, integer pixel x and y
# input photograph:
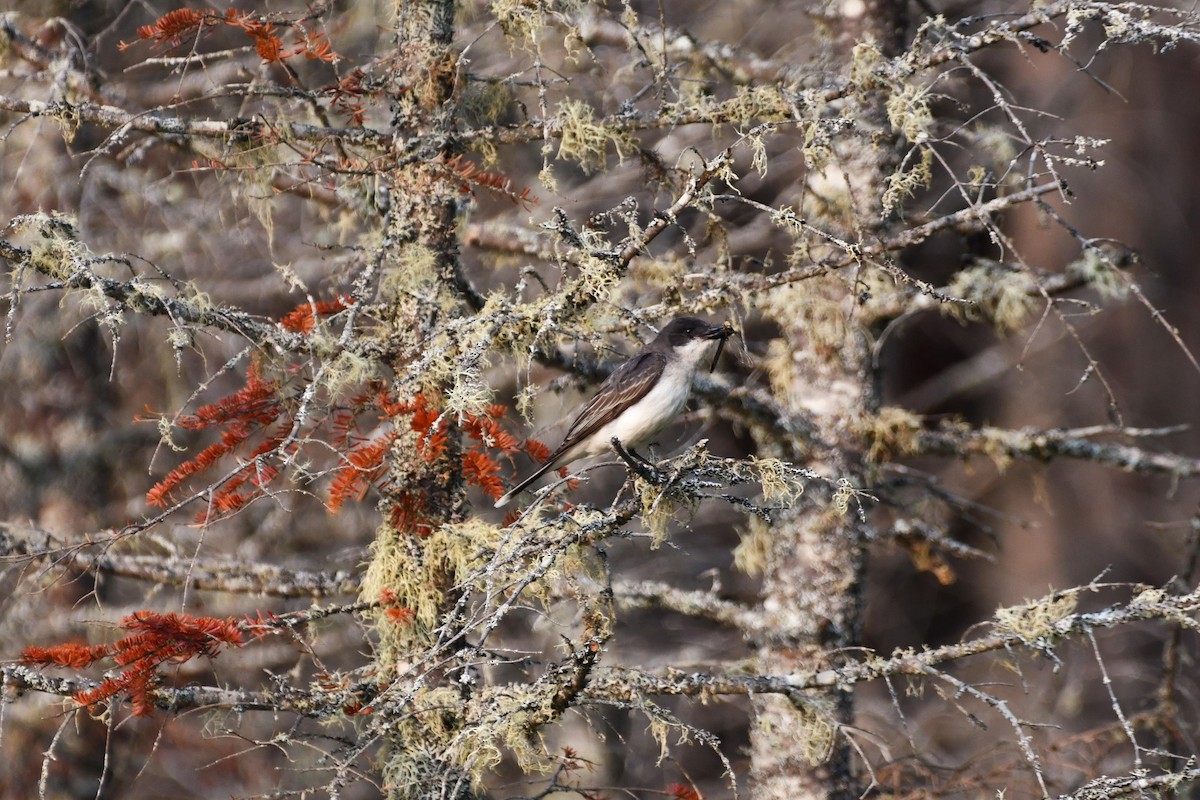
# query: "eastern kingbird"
{"type": "Point", "coordinates": [640, 398]}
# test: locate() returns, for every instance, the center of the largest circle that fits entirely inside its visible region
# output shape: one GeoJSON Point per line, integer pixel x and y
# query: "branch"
{"type": "Point", "coordinates": [706, 605]}
{"type": "Point", "coordinates": [618, 684]}
{"type": "Point", "coordinates": [21, 679]}
{"type": "Point", "coordinates": [637, 244]}
{"type": "Point", "coordinates": [238, 129]}
{"type": "Point", "coordinates": [1164, 785]}
{"type": "Point", "coordinates": [505, 237]}
{"type": "Point", "coordinates": [71, 267]}
{"type": "Point", "coordinates": [1152, 604]}
{"type": "Point", "coordinates": [677, 45]}
{"type": "Point", "coordinates": [209, 575]}
{"type": "Point", "coordinates": [1046, 445]}
{"type": "Point", "coordinates": [673, 44]}
{"type": "Point", "coordinates": [967, 220]}
{"type": "Point", "coordinates": [327, 701]}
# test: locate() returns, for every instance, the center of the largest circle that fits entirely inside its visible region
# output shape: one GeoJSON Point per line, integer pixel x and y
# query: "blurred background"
{"type": "Point", "coordinates": [73, 460]}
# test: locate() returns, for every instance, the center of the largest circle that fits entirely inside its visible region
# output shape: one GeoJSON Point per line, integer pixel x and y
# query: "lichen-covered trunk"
{"type": "Point", "coordinates": [812, 592]}
{"type": "Point", "coordinates": [420, 291]}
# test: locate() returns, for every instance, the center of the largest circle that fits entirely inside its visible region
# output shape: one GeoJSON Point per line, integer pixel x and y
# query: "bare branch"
{"type": "Point", "coordinates": [1047, 445]}
{"type": "Point", "coordinates": [245, 131]}
{"type": "Point", "coordinates": [225, 575]}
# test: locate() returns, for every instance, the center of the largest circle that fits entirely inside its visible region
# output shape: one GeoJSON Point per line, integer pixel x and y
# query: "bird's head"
{"type": "Point", "coordinates": [689, 337]}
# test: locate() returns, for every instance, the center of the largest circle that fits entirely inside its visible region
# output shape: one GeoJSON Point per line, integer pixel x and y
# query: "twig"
{"type": "Point", "coordinates": [1046, 445]}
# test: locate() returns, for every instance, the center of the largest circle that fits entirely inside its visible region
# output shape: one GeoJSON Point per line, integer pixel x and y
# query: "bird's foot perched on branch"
{"type": "Point", "coordinates": [637, 464]}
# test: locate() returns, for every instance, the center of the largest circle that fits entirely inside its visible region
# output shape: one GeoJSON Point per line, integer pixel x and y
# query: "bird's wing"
{"type": "Point", "coordinates": [625, 386]}
{"type": "Point", "coordinates": [629, 383]}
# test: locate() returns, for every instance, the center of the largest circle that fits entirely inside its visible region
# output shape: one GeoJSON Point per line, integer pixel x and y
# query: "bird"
{"type": "Point", "coordinates": [639, 399]}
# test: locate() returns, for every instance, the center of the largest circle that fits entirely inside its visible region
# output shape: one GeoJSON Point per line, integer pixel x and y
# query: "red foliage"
{"type": "Point", "coordinates": [268, 46]}
{"type": "Point", "coordinates": [395, 611]}
{"type": "Point", "coordinates": [400, 615]}
{"type": "Point", "coordinates": [408, 514]}
{"type": "Point", "coordinates": [537, 451]}
{"type": "Point", "coordinates": [571, 484]}
{"type": "Point", "coordinates": [174, 637]}
{"type": "Point", "coordinates": [315, 47]}
{"type": "Point", "coordinates": [241, 414]}
{"type": "Point", "coordinates": [153, 639]}
{"type": "Point", "coordinates": [228, 499]}
{"type": "Point", "coordinates": [170, 29]}
{"type": "Point", "coordinates": [259, 626]}
{"type": "Point", "coordinates": [389, 407]}
{"type": "Point", "coordinates": [208, 163]}
{"type": "Point", "coordinates": [257, 401]}
{"type": "Point", "coordinates": [361, 468]}
{"type": "Point", "coordinates": [347, 95]}
{"type": "Point", "coordinates": [469, 174]}
{"type": "Point", "coordinates": [75, 656]}
{"type": "Point", "coordinates": [482, 471]}
{"type": "Point", "coordinates": [430, 429]}
{"type": "Point", "coordinates": [488, 431]}
{"type": "Point", "coordinates": [301, 319]}
{"type": "Point", "coordinates": [683, 792]}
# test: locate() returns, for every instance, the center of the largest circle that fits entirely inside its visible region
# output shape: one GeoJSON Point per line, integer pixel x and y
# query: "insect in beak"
{"type": "Point", "coordinates": [727, 330]}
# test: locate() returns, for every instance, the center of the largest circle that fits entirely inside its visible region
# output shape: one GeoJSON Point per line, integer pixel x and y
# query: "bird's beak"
{"type": "Point", "coordinates": [721, 332]}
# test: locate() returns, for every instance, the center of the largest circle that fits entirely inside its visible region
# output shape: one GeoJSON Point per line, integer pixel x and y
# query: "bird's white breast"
{"type": "Point", "coordinates": [655, 411]}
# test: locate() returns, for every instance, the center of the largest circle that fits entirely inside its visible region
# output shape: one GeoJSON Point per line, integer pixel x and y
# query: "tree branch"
{"type": "Point", "coordinates": [140, 295]}
{"type": "Point", "coordinates": [223, 575]}
{"type": "Point", "coordinates": [706, 605]}
{"type": "Point", "coordinates": [1045, 445]}
{"type": "Point", "coordinates": [248, 131]}
{"type": "Point", "coordinates": [1152, 604]}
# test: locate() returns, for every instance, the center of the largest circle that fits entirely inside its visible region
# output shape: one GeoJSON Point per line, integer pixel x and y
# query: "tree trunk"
{"type": "Point", "coordinates": [425, 487]}
{"type": "Point", "coordinates": [812, 591]}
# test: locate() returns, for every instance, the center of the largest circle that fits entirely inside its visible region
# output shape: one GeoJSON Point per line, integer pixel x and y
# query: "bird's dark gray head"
{"type": "Point", "coordinates": [682, 331]}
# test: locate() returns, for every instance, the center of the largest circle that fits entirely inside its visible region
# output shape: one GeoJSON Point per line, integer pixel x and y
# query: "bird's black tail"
{"type": "Point", "coordinates": [523, 485]}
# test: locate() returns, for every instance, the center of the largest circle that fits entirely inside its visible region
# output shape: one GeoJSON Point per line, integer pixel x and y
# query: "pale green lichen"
{"type": "Point", "coordinates": [416, 571]}
{"type": "Point", "coordinates": [866, 61]}
{"type": "Point", "coordinates": [758, 103]}
{"type": "Point", "coordinates": [753, 553]}
{"type": "Point", "coordinates": [584, 141]}
{"type": "Point", "coordinates": [484, 103]}
{"type": "Point", "coordinates": [414, 272]}
{"type": "Point", "coordinates": [55, 250]}
{"type": "Point", "coordinates": [815, 733]}
{"type": "Point", "coordinates": [890, 433]}
{"type": "Point", "coordinates": [913, 175]}
{"type": "Point", "coordinates": [814, 306]}
{"type": "Point", "coordinates": [347, 369]}
{"type": "Point", "coordinates": [818, 145]}
{"type": "Point", "coordinates": [843, 495]}
{"type": "Point", "coordinates": [1095, 268]}
{"type": "Point", "coordinates": [908, 112]}
{"type": "Point", "coordinates": [993, 293]}
{"type": "Point", "coordinates": [1035, 620]}
{"type": "Point", "coordinates": [781, 483]}
{"type": "Point", "coordinates": [503, 719]}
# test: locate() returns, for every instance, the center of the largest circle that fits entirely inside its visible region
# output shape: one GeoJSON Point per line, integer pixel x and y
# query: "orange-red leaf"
{"type": "Point", "coordinates": [683, 792]}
